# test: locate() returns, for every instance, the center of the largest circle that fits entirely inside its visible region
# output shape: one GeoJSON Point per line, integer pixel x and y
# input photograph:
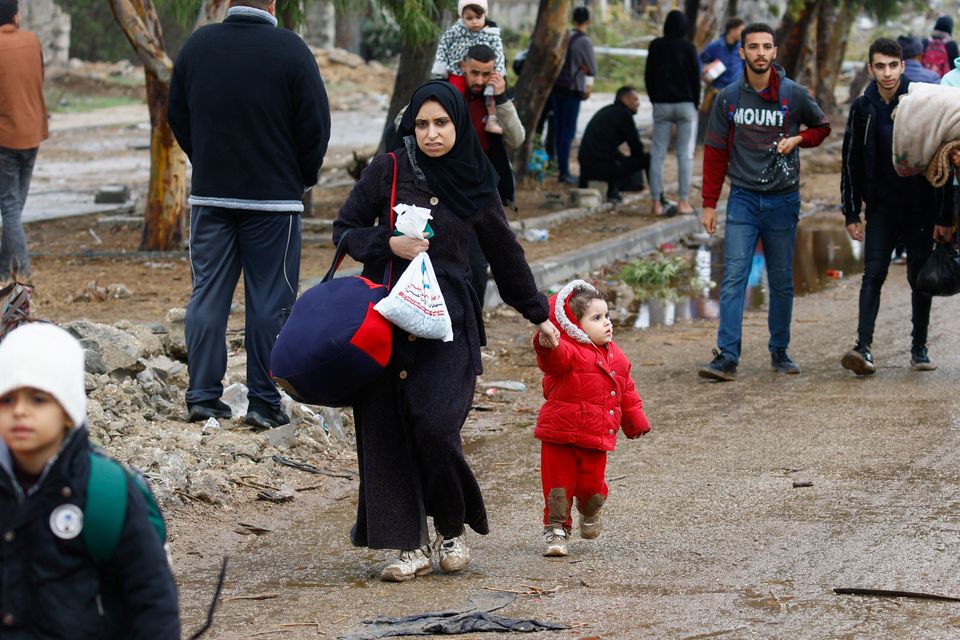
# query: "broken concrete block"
{"type": "Point", "coordinates": [284, 436]}
{"type": "Point", "coordinates": [584, 198]}
{"type": "Point", "coordinates": [118, 350]}
{"type": "Point", "coordinates": [112, 194]}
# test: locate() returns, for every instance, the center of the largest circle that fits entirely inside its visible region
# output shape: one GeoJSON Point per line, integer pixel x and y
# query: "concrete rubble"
{"type": "Point", "coordinates": [136, 378]}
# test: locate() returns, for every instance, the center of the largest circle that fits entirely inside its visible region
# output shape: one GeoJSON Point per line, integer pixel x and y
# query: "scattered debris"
{"type": "Point", "coordinates": [253, 596]}
{"type": "Point", "coordinates": [276, 497]}
{"type": "Point", "coordinates": [886, 593]}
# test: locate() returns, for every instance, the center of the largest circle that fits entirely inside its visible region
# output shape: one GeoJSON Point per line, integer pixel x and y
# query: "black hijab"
{"type": "Point", "coordinates": [464, 178]}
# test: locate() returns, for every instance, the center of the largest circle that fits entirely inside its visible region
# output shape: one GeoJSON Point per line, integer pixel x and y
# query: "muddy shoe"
{"type": "Point", "coordinates": [493, 125]}
{"type": "Point", "coordinates": [723, 368]}
{"type": "Point", "coordinates": [454, 553]}
{"type": "Point", "coordinates": [555, 543]}
{"type": "Point", "coordinates": [781, 361]}
{"type": "Point", "coordinates": [590, 526]}
{"type": "Point", "coordinates": [920, 361]}
{"type": "Point", "coordinates": [408, 565]}
{"type": "Point", "coordinates": [859, 360]}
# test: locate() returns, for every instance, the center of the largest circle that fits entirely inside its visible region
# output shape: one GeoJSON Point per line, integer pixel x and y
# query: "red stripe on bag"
{"type": "Point", "coordinates": [373, 336]}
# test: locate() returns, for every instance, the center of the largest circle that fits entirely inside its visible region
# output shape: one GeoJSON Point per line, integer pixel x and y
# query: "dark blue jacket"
{"type": "Point", "coordinates": [51, 589]}
{"type": "Point", "coordinates": [248, 107]}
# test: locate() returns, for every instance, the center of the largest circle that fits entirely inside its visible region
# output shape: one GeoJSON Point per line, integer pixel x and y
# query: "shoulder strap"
{"type": "Point", "coordinates": [341, 251]}
{"type": "Point", "coordinates": [731, 95]}
{"type": "Point", "coordinates": [393, 202]}
{"type": "Point", "coordinates": [786, 93]}
{"type": "Point", "coordinates": [106, 507]}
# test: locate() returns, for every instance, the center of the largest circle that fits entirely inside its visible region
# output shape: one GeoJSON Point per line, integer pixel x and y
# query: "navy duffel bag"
{"type": "Point", "coordinates": [335, 344]}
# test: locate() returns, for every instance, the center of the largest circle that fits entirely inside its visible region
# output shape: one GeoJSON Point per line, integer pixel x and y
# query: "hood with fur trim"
{"type": "Point", "coordinates": [561, 314]}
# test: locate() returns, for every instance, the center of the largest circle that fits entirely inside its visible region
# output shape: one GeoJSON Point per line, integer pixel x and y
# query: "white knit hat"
{"type": "Point", "coordinates": [466, 3]}
{"type": "Point", "coordinates": [45, 357]}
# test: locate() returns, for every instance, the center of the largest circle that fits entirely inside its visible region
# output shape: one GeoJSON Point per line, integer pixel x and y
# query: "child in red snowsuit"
{"type": "Point", "coordinates": [590, 395]}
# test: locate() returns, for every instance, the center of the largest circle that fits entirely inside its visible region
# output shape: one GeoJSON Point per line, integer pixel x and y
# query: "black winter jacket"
{"type": "Point", "coordinates": [672, 73]}
{"type": "Point", "coordinates": [51, 589]}
{"type": "Point", "coordinates": [859, 176]}
{"type": "Point", "coordinates": [248, 107]}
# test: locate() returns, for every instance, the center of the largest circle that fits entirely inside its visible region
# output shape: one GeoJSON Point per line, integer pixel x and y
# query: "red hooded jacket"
{"type": "Point", "coordinates": [588, 389]}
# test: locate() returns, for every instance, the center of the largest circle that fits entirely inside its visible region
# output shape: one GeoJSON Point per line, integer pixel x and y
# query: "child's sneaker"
{"type": "Point", "coordinates": [408, 566]}
{"type": "Point", "coordinates": [493, 125]}
{"type": "Point", "coordinates": [454, 553]}
{"type": "Point", "coordinates": [590, 526]}
{"type": "Point", "coordinates": [555, 542]}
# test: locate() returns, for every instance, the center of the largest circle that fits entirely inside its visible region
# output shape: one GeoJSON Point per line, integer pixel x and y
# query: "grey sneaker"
{"type": "Point", "coordinates": [590, 526]}
{"type": "Point", "coordinates": [454, 553]}
{"type": "Point", "coordinates": [555, 542]}
{"type": "Point", "coordinates": [408, 565]}
{"type": "Point", "coordinates": [723, 368]}
{"type": "Point", "coordinates": [859, 360]}
{"type": "Point", "coordinates": [781, 361]}
{"type": "Point", "coordinates": [920, 361]}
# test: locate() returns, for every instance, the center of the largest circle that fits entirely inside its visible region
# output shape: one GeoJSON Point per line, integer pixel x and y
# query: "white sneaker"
{"type": "Point", "coordinates": [408, 566]}
{"type": "Point", "coordinates": [454, 553]}
{"type": "Point", "coordinates": [590, 526]}
{"type": "Point", "coordinates": [555, 543]}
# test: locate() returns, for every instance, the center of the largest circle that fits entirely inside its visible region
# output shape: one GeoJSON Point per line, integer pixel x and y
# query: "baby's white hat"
{"type": "Point", "coordinates": [45, 357]}
{"type": "Point", "coordinates": [466, 3]}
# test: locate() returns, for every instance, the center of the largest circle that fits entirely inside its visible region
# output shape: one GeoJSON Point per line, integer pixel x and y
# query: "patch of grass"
{"type": "Point", "coordinates": [59, 102]}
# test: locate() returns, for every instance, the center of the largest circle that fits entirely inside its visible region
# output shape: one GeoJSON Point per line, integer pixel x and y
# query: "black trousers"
{"type": "Point", "coordinates": [614, 173]}
{"type": "Point", "coordinates": [885, 228]}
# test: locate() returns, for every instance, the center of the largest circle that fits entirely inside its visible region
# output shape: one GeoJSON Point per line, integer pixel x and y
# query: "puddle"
{"type": "Point", "coordinates": [824, 253]}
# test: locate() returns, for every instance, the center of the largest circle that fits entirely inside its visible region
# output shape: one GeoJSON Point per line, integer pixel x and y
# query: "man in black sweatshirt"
{"type": "Point", "coordinates": [248, 107]}
{"type": "Point", "coordinates": [897, 208]}
{"type": "Point", "coordinates": [599, 155]}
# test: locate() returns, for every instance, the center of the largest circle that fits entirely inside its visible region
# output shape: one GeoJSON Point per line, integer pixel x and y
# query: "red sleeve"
{"type": "Point", "coordinates": [715, 163]}
{"type": "Point", "coordinates": [635, 422]}
{"type": "Point", "coordinates": [553, 361]}
{"type": "Point", "coordinates": [812, 137]}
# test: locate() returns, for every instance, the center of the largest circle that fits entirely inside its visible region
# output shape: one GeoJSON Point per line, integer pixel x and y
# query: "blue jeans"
{"type": "Point", "coordinates": [16, 169]}
{"type": "Point", "coordinates": [773, 219]}
{"type": "Point", "coordinates": [566, 109]}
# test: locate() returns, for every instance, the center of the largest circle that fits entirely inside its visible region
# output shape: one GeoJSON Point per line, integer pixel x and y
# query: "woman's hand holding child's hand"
{"type": "Point", "coordinates": [406, 247]}
{"type": "Point", "coordinates": [549, 335]}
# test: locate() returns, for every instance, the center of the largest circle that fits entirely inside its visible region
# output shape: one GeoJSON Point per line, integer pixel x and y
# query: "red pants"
{"type": "Point", "coordinates": [570, 472]}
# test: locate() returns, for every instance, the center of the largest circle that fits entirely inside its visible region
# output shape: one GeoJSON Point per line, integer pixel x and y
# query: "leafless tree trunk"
{"type": "Point", "coordinates": [163, 224]}
{"type": "Point", "coordinates": [832, 35]}
{"type": "Point", "coordinates": [548, 47]}
{"type": "Point", "coordinates": [211, 11]}
{"type": "Point", "coordinates": [793, 39]}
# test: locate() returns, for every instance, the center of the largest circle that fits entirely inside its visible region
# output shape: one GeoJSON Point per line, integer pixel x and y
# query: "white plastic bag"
{"type": "Point", "coordinates": [415, 303]}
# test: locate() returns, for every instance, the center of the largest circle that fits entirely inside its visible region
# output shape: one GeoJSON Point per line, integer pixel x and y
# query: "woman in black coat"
{"type": "Point", "coordinates": [408, 425]}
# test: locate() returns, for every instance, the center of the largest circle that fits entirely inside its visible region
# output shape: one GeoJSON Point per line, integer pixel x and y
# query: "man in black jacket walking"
{"type": "Point", "coordinates": [599, 155]}
{"type": "Point", "coordinates": [906, 208]}
{"type": "Point", "coordinates": [248, 107]}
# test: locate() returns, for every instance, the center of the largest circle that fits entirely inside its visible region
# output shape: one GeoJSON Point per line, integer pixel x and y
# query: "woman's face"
{"type": "Point", "coordinates": [435, 130]}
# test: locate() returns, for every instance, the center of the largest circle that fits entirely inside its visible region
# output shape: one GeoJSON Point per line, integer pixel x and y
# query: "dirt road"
{"type": "Point", "coordinates": [704, 534]}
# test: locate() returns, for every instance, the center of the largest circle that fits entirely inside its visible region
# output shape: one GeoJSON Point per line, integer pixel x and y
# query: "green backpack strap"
{"type": "Point", "coordinates": [106, 507]}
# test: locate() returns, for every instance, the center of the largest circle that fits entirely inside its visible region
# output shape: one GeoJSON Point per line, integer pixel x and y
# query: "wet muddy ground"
{"type": "Point", "coordinates": [705, 534]}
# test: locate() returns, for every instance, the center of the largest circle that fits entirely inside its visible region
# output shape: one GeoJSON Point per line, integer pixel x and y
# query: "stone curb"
{"type": "Point", "coordinates": [567, 266]}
